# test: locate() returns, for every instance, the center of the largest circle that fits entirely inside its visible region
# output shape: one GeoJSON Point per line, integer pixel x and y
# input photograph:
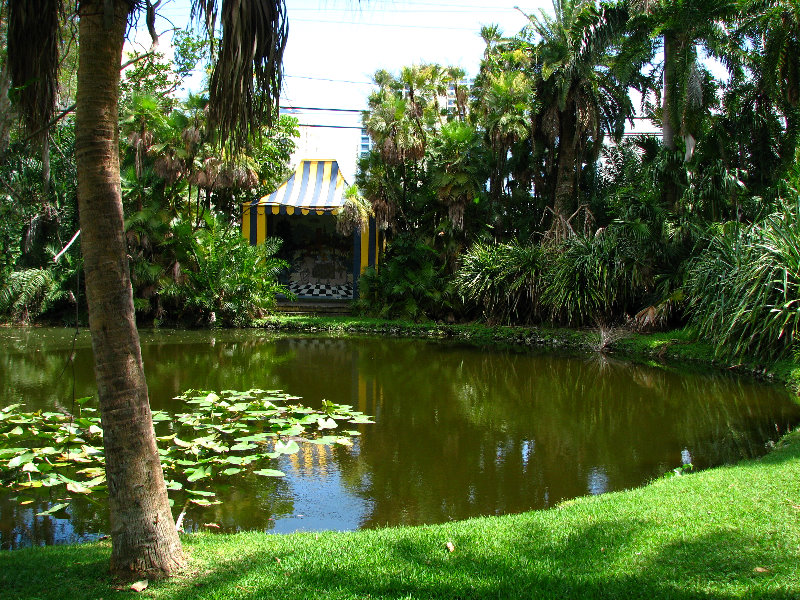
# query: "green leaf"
{"type": "Point", "coordinates": [243, 446]}
{"type": "Point", "coordinates": [269, 473]}
{"type": "Point", "coordinates": [200, 493]}
{"type": "Point", "coordinates": [197, 473]}
{"type": "Point", "coordinates": [231, 471]}
{"type": "Point", "coordinates": [286, 448]}
{"type": "Point", "coordinates": [53, 509]}
{"type": "Point", "coordinates": [203, 502]}
{"type": "Point", "coordinates": [20, 459]}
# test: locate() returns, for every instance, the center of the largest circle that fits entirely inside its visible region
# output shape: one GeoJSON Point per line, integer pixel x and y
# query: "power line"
{"type": "Point", "coordinates": [327, 79]}
{"type": "Point", "coordinates": [362, 24]}
{"type": "Point", "coordinates": [359, 127]}
{"type": "Point", "coordinates": [347, 110]}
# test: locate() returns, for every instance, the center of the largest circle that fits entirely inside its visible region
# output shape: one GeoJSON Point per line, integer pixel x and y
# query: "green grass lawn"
{"type": "Point", "coordinates": [730, 532]}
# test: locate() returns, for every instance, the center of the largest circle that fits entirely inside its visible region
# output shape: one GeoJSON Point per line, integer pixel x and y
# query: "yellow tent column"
{"type": "Point", "coordinates": [364, 249]}
{"type": "Point", "coordinates": [246, 222]}
{"type": "Point", "coordinates": [261, 230]}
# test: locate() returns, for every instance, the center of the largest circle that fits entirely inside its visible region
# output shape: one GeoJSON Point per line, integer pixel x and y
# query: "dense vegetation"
{"type": "Point", "coordinates": [515, 197]}
{"type": "Point", "coordinates": [188, 262]}
{"type": "Point", "coordinates": [521, 200]}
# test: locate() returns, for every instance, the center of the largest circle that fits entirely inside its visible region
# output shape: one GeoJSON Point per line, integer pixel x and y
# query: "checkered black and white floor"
{"type": "Point", "coordinates": [321, 290]}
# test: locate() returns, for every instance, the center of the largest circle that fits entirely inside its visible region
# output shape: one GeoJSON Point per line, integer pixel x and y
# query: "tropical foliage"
{"type": "Point", "coordinates": [566, 219]}
{"type": "Point", "coordinates": [181, 194]}
{"type": "Point", "coordinates": [515, 196]}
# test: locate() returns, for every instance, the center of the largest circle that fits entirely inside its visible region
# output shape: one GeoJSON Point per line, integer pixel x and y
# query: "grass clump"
{"type": "Point", "coordinates": [730, 532]}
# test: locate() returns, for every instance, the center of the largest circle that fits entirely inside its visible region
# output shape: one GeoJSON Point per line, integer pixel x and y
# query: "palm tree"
{"type": "Point", "coordinates": [774, 31]}
{"type": "Point", "coordinates": [144, 540]}
{"type": "Point", "coordinates": [582, 95]}
{"type": "Point", "coordinates": [683, 27]}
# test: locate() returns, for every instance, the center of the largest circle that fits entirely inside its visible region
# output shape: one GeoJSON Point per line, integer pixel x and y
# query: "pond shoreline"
{"type": "Point", "coordinates": [730, 531]}
{"type": "Point", "coordinates": [671, 348]}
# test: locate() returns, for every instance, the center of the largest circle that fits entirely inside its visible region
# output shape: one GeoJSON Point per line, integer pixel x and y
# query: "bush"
{"type": "Point", "coordinates": [745, 288]}
{"type": "Point", "coordinates": [503, 280]}
{"type": "Point", "coordinates": [220, 278]}
{"type": "Point", "coordinates": [410, 284]}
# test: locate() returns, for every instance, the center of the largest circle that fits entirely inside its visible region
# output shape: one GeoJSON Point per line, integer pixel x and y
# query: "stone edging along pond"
{"type": "Point", "coordinates": [672, 348]}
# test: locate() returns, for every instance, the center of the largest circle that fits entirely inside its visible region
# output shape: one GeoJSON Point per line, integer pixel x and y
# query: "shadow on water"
{"type": "Point", "coordinates": [459, 431]}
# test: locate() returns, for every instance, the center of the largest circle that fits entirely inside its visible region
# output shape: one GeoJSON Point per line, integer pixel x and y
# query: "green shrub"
{"type": "Point", "coordinates": [745, 288]}
{"type": "Point", "coordinates": [219, 277]}
{"type": "Point", "coordinates": [598, 278]}
{"type": "Point", "coordinates": [503, 281]}
{"type": "Point", "coordinates": [410, 284]}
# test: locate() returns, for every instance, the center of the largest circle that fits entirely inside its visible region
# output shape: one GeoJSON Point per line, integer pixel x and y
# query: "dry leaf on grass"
{"type": "Point", "coordinates": [139, 586]}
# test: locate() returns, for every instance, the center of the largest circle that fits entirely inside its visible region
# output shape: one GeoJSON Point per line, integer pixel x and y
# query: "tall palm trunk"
{"type": "Point", "coordinates": [670, 192]}
{"type": "Point", "coordinates": [667, 95]}
{"type": "Point", "coordinates": [567, 173]}
{"type": "Point", "coordinates": [144, 540]}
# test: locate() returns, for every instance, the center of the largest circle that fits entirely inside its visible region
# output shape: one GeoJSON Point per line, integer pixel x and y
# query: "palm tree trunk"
{"type": "Point", "coordinates": [566, 175]}
{"type": "Point", "coordinates": [144, 540]}
{"type": "Point", "coordinates": [669, 191]}
{"type": "Point", "coordinates": [667, 96]}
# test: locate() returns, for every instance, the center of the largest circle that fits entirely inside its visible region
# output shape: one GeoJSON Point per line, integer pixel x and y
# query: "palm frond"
{"type": "Point", "coordinates": [246, 81]}
{"type": "Point", "coordinates": [33, 41]}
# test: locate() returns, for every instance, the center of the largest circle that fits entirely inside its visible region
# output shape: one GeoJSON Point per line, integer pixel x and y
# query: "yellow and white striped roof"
{"type": "Point", "coordinates": [316, 185]}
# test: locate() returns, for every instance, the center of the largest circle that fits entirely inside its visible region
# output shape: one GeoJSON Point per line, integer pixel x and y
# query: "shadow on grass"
{"type": "Point", "coordinates": [77, 571]}
{"type": "Point", "coordinates": [597, 561]}
{"type": "Point", "coordinates": [524, 559]}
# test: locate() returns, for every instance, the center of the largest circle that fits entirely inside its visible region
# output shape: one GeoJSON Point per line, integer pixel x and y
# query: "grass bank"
{"type": "Point", "coordinates": [673, 347]}
{"type": "Point", "coordinates": [729, 532]}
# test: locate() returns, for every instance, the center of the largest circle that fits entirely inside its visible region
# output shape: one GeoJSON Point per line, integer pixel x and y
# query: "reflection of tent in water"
{"type": "Point", "coordinates": [302, 212]}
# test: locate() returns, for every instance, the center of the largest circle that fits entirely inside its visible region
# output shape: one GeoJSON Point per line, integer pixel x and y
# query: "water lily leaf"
{"type": "Point", "coordinates": [344, 441]}
{"type": "Point", "coordinates": [30, 468]}
{"type": "Point", "coordinates": [203, 501]}
{"type": "Point", "coordinates": [212, 397]}
{"type": "Point", "coordinates": [325, 440]}
{"type": "Point", "coordinates": [20, 459]}
{"type": "Point", "coordinates": [16, 431]}
{"type": "Point", "coordinates": [7, 451]}
{"type": "Point", "coordinates": [243, 446]}
{"type": "Point", "coordinates": [197, 473]}
{"type": "Point", "coordinates": [231, 471]}
{"type": "Point", "coordinates": [174, 485]}
{"type": "Point", "coordinates": [53, 509]}
{"type": "Point", "coordinates": [179, 442]}
{"type": "Point", "coordinates": [270, 473]}
{"type": "Point", "coordinates": [293, 430]}
{"type": "Point", "coordinates": [77, 488]}
{"type": "Point", "coordinates": [286, 448]}
{"type": "Point", "coordinates": [326, 423]}
{"type": "Point", "coordinates": [361, 419]}
{"type": "Point", "coordinates": [200, 493]}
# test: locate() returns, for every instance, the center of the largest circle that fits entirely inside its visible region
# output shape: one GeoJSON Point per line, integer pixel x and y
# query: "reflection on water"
{"type": "Point", "coordinates": [460, 432]}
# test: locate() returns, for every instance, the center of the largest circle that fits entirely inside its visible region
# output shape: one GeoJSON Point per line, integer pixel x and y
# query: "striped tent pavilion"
{"type": "Point", "coordinates": [316, 187]}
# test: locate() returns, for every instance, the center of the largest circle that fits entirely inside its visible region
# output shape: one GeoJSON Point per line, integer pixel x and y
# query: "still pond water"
{"type": "Point", "coordinates": [459, 431]}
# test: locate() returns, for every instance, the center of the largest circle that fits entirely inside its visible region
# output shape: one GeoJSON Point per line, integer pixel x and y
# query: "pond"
{"type": "Point", "coordinates": [459, 431]}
